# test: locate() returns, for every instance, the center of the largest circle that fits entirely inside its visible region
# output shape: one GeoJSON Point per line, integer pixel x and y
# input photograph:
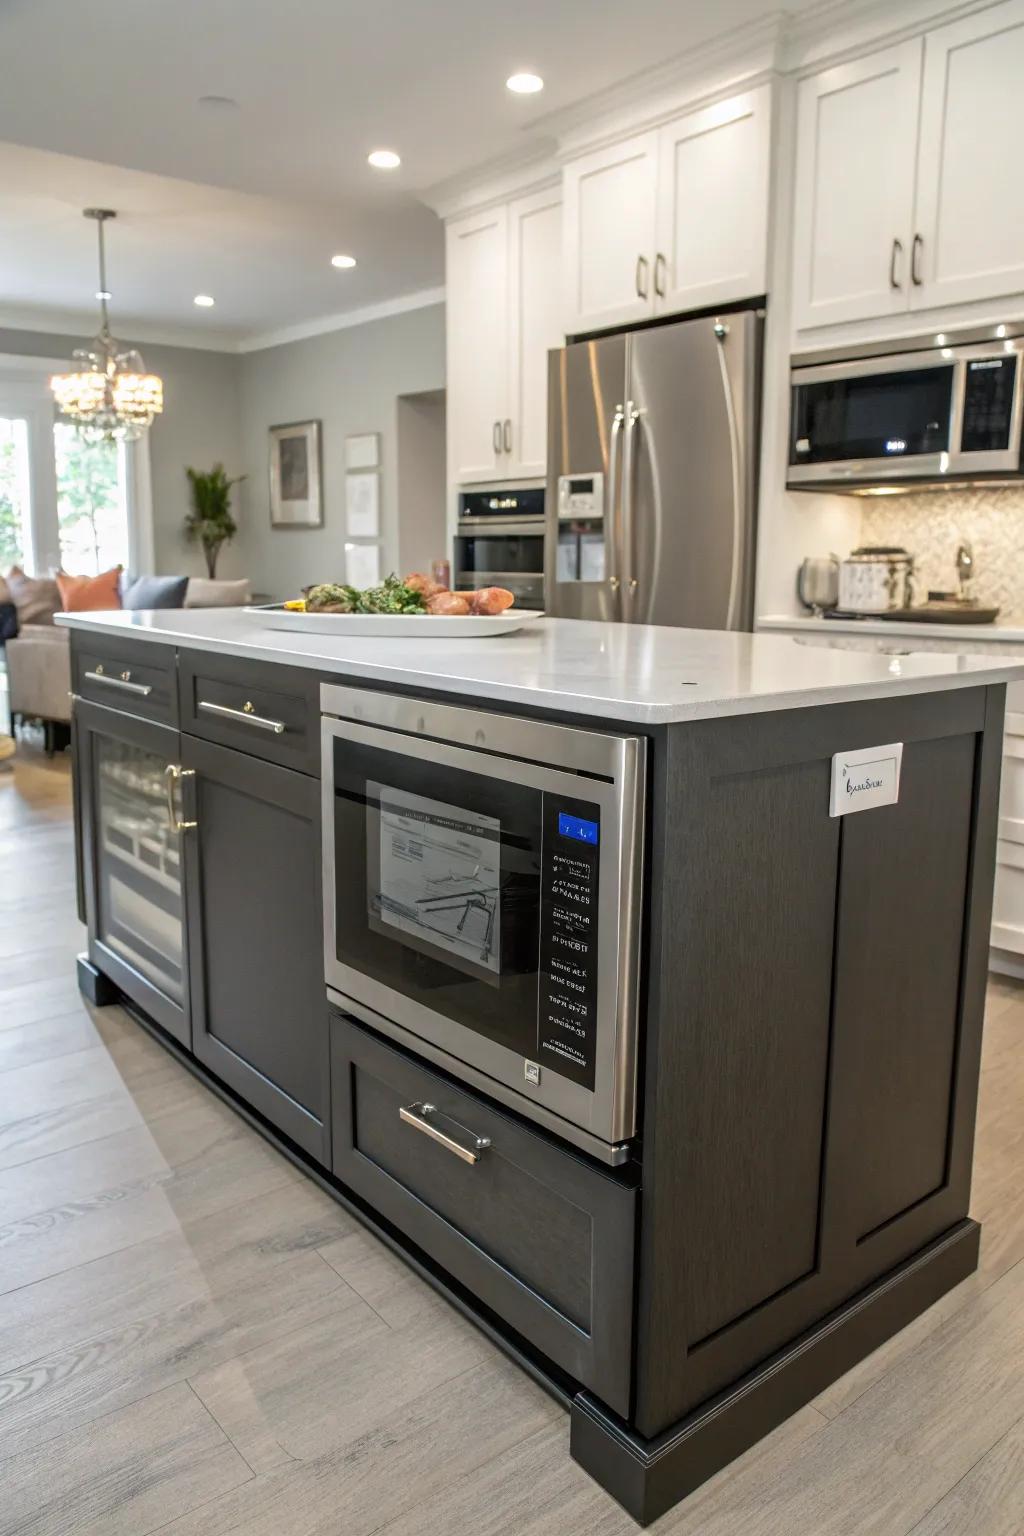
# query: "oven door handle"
{"type": "Point", "coordinates": [418, 1116]}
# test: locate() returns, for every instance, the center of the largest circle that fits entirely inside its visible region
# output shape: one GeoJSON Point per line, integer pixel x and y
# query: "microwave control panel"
{"type": "Point", "coordinates": [568, 993]}
{"type": "Point", "coordinates": [988, 404]}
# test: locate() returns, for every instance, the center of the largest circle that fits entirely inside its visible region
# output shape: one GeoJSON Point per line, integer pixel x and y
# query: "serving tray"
{"type": "Point", "coordinates": [926, 613]}
{"type": "Point", "coordinates": [433, 626]}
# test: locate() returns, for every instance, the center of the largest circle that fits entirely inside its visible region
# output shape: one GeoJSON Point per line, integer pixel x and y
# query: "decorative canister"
{"type": "Point", "coordinates": [876, 578]}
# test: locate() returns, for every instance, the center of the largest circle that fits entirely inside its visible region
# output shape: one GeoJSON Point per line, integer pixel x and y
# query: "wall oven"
{"type": "Point", "coordinates": [937, 415]}
{"type": "Point", "coordinates": [500, 542]}
{"type": "Point", "coordinates": [482, 900]}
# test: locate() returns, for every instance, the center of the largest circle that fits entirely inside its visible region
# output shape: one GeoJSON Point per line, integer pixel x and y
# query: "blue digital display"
{"type": "Point", "coordinates": [576, 827]}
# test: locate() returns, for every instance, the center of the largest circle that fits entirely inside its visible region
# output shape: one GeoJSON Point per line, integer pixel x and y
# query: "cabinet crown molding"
{"type": "Point", "coordinates": [485, 186]}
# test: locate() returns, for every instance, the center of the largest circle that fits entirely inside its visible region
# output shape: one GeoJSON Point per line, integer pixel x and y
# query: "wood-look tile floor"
{"type": "Point", "coordinates": [195, 1340]}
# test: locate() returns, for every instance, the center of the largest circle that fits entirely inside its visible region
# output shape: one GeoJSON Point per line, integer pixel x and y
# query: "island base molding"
{"type": "Point", "coordinates": [647, 1477]}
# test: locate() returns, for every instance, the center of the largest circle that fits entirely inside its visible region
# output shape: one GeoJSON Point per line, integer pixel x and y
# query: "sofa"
{"type": "Point", "coordinates": [39, 656]}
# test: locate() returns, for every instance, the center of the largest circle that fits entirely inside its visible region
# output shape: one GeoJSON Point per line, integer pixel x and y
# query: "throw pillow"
{"type": "Point", "coordinates": [88, 594]}
{"type": "Point", "coordinates": [35, 597]}
{"type": "Point", "coordinates": [203, 593]}
{"type": "Point", "coordinates": [155, 592]}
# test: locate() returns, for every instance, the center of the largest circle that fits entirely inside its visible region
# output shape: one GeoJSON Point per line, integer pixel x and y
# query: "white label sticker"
{"type": "Point", "coordinates": [866, 778]}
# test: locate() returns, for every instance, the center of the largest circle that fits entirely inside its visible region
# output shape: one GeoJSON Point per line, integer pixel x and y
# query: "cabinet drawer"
{"type": "Point", "coordinates": [539, 1235]}
{"type": "Point", "coordinates": [262, 708]}
{"type": "Point", "coordinates": [136, 679]}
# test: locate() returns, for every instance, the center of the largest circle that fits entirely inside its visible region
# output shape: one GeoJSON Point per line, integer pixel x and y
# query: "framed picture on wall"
{"type": "Point", "coordinates": [296, 499]}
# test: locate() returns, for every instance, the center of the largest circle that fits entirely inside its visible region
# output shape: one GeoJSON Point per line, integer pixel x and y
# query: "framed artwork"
{"type": "Point", "coordinates": [363, 451]}
{"type": "Point", "coordinates": [295, 476]}
{"type": "Point", "coordinates": [362, 504]}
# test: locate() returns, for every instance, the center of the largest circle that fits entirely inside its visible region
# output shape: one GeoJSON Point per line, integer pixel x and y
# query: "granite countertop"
{"type": "Point", "coordinates": [640, 674]}
{"type": "Point", "coordinates": [1001, 632]}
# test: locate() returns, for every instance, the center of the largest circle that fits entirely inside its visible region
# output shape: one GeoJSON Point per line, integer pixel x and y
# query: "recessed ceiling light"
{"type": "Point", "coordinates": [203, 300]}
{"type": "Point", "coordinates": [384, 159]}
{"type": "Point", "coordinates": [343, 261]}
{"type": "Point", "coordinates": [104, 294]}
{"type": "Point", "coordinates": [525, 84]}
{"type": "Point", "coordinates": [218, 103]}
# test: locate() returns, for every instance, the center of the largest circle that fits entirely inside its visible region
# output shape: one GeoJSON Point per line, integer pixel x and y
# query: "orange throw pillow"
{"type": "Point", "coordinates": [86, 594]}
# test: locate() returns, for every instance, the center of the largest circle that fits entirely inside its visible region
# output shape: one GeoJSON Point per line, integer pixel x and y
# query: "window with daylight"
{"type": "Point", "coordinates": [92, 502]}
{"type": "Point", "coordinates": [14, 490]}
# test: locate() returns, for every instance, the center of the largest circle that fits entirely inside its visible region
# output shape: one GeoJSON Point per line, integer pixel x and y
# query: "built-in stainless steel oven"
{"type": "Point", "coordinates": [500, 542]}
{"type": "Point", "coordinates": [482, 900]}
{"type": "Point", "coordinates": [933, 414]}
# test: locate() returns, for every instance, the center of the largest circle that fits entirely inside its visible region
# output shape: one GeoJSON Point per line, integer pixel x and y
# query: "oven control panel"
{"type": "Point", "coordinates": [567, 1013]}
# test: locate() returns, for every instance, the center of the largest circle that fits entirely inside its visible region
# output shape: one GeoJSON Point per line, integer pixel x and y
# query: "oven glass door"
{"type": "Point", "coordinates": [468, 896]}
{"type": "Point", "coordinates": [884, 415]}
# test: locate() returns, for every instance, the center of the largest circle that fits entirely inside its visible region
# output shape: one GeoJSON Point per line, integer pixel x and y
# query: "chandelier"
{"type": "Point", "coordinates": [113, 398]}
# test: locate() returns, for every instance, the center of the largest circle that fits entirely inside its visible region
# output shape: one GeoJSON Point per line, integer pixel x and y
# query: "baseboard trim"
{"type": "Point", "coordinates": [648, 1476]}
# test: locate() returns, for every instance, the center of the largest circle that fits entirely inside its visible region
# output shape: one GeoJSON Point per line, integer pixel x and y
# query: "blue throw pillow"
{"type": "Point", "coordinates": [155, 592]}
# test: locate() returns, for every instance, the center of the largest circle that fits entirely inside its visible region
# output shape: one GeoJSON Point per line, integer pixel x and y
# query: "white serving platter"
{"type": "Point", "coordinates": [432, 626]}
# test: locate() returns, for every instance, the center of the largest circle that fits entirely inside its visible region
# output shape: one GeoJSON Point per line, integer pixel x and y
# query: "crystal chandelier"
{"type": "Point", "coordinates": [113, 398]}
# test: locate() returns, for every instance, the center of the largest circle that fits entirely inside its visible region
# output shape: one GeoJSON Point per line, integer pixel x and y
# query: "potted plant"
{"type": "Point", "coordinates": [210, 521]}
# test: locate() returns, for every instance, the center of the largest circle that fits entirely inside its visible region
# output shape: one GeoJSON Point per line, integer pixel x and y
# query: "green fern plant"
{"type": "Point", "coordinates": [209, 522]}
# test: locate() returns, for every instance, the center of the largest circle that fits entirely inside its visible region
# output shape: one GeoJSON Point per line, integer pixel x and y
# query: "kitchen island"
{"type": "Point", "coordinates": [548, 957]}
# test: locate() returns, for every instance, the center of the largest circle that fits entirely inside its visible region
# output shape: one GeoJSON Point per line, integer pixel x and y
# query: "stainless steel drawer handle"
{"type": "Point", "coordinates": [246, 714]}
{"type": "Point", "coordinates": [123, 682]}
{"type": "Point", "coordinates": [418, 1116]}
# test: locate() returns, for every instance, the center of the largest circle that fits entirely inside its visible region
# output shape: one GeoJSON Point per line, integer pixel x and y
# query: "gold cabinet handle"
{"type": "Point", "coordinates": [172, 774]}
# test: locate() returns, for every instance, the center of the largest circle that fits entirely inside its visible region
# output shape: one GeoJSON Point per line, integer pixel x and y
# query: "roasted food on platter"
{"type": "Point", "coordinates": [415, 594]}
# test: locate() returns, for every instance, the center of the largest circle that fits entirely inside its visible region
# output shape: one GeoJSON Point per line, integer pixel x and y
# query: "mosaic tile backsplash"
{"type": "Point", "coordinates": [931, 524]}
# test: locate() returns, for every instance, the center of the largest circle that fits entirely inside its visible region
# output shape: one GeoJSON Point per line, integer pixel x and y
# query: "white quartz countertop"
{"type": "Point", "coordinates": [970, 636]}
{"type": "Point", "coordinates": [635, 673]}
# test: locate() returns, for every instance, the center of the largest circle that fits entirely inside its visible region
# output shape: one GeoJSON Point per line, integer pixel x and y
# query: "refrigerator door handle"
{"type": "Point", "coordinates": [612, 507]}
{"type": "Point", "coordinates": [736, 453]}
{"type": "Point", "coordinates": [628, 556]}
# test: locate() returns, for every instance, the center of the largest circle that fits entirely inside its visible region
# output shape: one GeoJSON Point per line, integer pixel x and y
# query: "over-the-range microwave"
{"type": "Point", "coordinates": [942, 412]}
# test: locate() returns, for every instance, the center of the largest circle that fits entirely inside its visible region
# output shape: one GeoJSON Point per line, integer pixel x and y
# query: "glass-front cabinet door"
{"type": "Point", "coordinates": [133, 838]}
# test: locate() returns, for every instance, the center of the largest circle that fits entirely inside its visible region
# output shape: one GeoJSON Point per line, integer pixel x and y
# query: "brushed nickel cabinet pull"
{"type": "Point", "coordinates": [915, 251]}
{"type": "Point", "coordinates": [172, 774]}
{"type": "Point", "coordinates": [897, 251]}
{"type": "Point", "coordinates": [245, 714]}
{"type": "Point", "coordinates": [123, 682]}
{"type": "Point", "coordinates": [496, 437]}
{"type": "Point", "coordinates": [660, 268]}
{"type": "Point", "coordinates": [506, 435]}
{"type": "Point", "coordinates": [642, 265]}
{"type": "Point", "coordinates": [418, 1116]}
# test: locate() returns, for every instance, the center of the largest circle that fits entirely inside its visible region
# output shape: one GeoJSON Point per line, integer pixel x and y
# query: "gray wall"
{"type": "Point", "coordinates": [349, 380]}
{"type": "Point", "coordinates": [422, 481]}
{"type": "Point", "coordinates": [200, 426]}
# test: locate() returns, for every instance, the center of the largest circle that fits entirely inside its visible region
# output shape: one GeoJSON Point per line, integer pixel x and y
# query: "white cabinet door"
{"type": "Point", "coordinates": [477, 330]}
{"type": "Point", "coordinates": [970, 212]}
{"type": "Point", "coordinates": [713, 204]}
{"type": "Point", "coordinates": [853, 220]}
{"type": "Point", "coordinates": [609, 210]}
{"type": "Point", "coordinates": [534, 325]}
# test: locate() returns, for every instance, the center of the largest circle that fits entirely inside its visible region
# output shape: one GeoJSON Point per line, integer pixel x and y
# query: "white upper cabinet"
{"type": "Point", "coordinates": [476, 274]}
{"type": "Point", "coordinates": [853, 220]}
{"type": "Point", "coordinates": [504, 311]}
{"type": "Point", "coordinates": [970, 212]}
{"type": "Point", "coordinates": [609, 199]}
{"type": "Point", "coordinates": [712, 230]}
{"type": "Point", "coordinates": [534, 326]}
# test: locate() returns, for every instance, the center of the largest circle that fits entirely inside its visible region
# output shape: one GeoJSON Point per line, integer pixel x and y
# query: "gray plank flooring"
{"type": "Point", "coordinates": [195, 1340]}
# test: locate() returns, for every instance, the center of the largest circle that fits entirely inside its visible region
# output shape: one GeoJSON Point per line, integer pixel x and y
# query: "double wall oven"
{"type": "Point", "coordinates": [499, 542]}
{"type": "Point", "coordinates": [482, 900]}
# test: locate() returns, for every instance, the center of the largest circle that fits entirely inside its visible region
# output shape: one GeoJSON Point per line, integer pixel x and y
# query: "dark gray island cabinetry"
{"type": "Point", "coordinates": [549, 958]}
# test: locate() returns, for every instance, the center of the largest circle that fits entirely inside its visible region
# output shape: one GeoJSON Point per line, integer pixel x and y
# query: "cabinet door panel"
{"type": "Point", "coordinates": [856, 145]}
{"type": "Point", "coordinates": [970, 213]}
{"type": "Point", "coordinates": [477, 325]}
{"type": "Point", "coordinates": [535, 323]}
{"type": "Point", "coordinates": [713, 204]}
{"type": "Point", "coordinates": [259, 1002]}
{"type": "Point", "coordinates": [609, 226]}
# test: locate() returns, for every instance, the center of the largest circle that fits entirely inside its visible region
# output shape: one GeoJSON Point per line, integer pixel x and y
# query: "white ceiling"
{"type": "Point", "coordinates": [250, 204]}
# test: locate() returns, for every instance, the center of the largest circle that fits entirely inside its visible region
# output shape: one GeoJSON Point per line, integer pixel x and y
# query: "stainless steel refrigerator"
{"type": "Point", "coordinates": [652, 474]}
